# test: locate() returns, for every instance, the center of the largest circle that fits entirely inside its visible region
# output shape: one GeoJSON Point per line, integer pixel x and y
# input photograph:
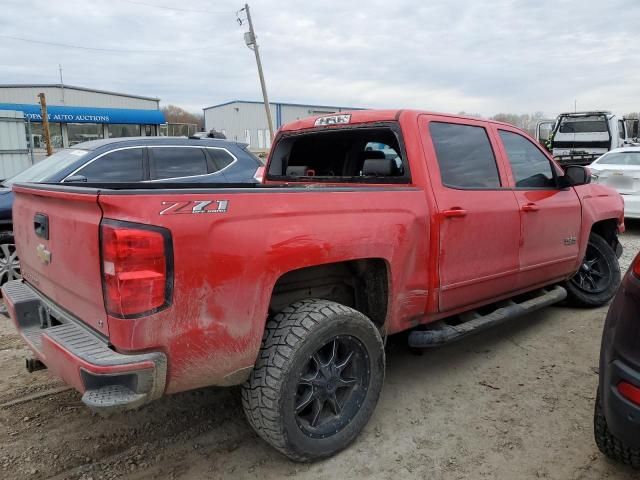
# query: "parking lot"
{"type": "Point", "coordinates": [515, 402]}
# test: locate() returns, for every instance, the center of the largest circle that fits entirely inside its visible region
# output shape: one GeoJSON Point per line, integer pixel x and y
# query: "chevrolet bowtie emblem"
{"type": "Point", "coordinates": [43, 254]}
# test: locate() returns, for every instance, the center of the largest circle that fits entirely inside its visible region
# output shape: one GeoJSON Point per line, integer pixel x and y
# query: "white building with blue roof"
{"type": "Point", "coordinates": [77, 114]}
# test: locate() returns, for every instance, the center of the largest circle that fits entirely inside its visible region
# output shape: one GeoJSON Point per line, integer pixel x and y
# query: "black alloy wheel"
{"type": "Point", "coordinates": [594, 275]}
{"type": "Point", "coordinates": [332, 387]}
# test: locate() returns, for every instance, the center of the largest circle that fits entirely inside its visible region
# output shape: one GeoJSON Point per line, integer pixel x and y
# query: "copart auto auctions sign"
{"type": "Point", "coordinates": [65, 117]}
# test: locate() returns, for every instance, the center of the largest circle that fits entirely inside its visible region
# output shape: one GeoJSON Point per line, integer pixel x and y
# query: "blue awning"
{"type": "Point", "coordinates": [66, 114]}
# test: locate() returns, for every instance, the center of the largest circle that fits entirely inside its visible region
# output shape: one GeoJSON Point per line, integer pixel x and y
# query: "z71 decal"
{"type": "Point", "coordinates": [195, 206]}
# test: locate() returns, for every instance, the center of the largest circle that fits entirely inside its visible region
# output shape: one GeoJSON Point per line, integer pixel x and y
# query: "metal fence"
{"type": "Point", "coordinates": [15, 153]}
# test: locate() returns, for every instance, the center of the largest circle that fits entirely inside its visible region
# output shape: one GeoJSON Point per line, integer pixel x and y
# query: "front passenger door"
{"type": "Point", "coordinates": [550, 216]}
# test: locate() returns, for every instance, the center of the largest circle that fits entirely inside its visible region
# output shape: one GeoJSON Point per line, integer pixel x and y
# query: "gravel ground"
{"type": "Point", "coordinates": [515, 402]}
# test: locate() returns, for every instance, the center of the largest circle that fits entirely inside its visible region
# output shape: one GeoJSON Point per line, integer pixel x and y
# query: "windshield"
{"type": "Point", "coordinates": [583, 124]}
{"type": "Point", "coordinates": [47, 167]}
{"type": "Point", "coordinates": [620, 158]}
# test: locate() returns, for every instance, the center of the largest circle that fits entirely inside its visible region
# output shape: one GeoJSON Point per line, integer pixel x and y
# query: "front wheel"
{"type": "Point", "coordinates": [317, 379]}
{"type": "Point", "coordinates": [598, 278]}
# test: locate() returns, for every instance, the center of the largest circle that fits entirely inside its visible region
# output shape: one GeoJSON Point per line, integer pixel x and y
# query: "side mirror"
{"type": "Point", "coordinates": [75, 179]}
{"type": "Point", "coordinates": [575, 175]}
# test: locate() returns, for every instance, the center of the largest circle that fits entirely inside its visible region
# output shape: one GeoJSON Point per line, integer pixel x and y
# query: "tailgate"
{"type": "Point", "coordinates": [57, 238]}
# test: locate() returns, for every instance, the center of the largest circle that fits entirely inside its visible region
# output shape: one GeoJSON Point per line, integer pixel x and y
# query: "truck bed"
{"type": "Point", "coordinates": [230, 244]}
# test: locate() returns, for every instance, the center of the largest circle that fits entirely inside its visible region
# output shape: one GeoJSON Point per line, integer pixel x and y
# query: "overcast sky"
{"type": "Point", "coordinates": [485, 57]}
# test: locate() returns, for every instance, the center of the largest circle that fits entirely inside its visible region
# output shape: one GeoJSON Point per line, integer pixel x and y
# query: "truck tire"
{"type": "Point", "coordinates": [610, 445]}
{"type": "Point", "coordinates": [9, 261]}
{"type": "Point", "coordinates": [317, 379]}
{"type": "Point", "coordinates": [598, 278]}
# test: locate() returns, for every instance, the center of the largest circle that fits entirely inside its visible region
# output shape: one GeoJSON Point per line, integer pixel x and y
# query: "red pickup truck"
{"type": "Point", "coordinates": [367, 224]}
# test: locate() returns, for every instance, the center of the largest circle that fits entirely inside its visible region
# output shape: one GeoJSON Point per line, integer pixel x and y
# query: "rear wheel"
{"type": "Point", "coordinates": [317, 379]}
{"type": "Point", "coordinates": [9, 261]}
{"type": "Point", "coordinates": [608, 444]}
{"type": "Point", "coordinates": [598, 278]}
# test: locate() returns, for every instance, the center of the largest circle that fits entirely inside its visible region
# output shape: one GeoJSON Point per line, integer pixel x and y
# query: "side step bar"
{"type": "Point", "coordinates": [440, 333]}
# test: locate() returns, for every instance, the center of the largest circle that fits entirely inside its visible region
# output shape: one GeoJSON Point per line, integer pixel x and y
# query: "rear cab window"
{"type": "Point", "coordinates": [357, 154]}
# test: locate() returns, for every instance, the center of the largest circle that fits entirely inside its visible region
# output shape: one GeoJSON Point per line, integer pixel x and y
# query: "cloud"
{"type": "Point", "coordinates": [488, 57]}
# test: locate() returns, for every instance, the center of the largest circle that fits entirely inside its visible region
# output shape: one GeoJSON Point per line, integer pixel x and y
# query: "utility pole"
{"type": "Point", "coordinates": [45, 123]}
{"type": "Point", "coordinates": [250, 40]}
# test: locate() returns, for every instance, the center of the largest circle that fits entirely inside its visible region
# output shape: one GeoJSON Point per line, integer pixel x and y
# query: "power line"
{"type": "Point", "coordinates": [111, 50]}
{"type": "Point", "coordinates": [173, 8]}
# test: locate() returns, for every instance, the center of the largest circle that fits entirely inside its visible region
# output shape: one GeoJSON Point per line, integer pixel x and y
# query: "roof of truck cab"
{"type": "Point", "coordinates": [374, 116]}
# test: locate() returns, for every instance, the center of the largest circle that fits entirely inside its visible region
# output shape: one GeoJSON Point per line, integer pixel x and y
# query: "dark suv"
{"type": "Point", "coordinates": [137, 159]}
{"type": "Point", "coordinates": [617, 412]}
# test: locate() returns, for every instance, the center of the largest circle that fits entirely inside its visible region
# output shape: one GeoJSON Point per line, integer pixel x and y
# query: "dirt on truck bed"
{"type": "Point", "coordinates": [512, 402]}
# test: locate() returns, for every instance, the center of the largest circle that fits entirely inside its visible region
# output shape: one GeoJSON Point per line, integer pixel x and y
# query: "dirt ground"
{"type": "Point", "coordinates": [512, 403]}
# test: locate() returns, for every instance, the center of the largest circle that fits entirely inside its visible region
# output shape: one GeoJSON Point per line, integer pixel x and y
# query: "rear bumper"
{"type": "Point", "coordinates": [110, 381]}
{"type": "Point", "coordinates": [620, 361]}
{"type": "Point", "coordinates": [631, 206]}
{"type": "Point", "coordinates": [623, 416]}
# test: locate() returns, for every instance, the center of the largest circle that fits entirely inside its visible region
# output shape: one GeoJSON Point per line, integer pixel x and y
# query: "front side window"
{"type": "Point", "coordinates": [464, 155]}
{"type": "Point", "coordinates": [530, 167]}
{"type": "Point", "coordinates": [176, 162]}
{"type": "Point", "coordinates": [119, 166]}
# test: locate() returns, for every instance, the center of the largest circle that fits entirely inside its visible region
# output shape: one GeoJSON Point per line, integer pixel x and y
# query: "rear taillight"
{"type": "Point", "coordinates": [636, 266]}
{"type": "Point", "coordinates": [136, 268]}
{"type": "Point", "coordinates": [630, 392]}
{"type": "Point", "coordinates": [259, 175]}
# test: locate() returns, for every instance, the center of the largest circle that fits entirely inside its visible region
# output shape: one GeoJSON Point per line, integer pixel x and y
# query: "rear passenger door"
{"type": "Point", "coordinates": [180, 163]}
{"type": "Point", "coordinates": [550, 216]}
{"type": "Point", "coordinates": [478, 218]}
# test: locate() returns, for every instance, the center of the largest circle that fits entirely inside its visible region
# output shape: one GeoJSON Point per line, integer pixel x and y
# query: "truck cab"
{"type": "Point", "coordinates": [582, 137]}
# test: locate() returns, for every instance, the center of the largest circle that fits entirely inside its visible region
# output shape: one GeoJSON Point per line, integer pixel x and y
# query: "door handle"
{"type": "Point", "coordinates": [530, 207]}
{"type": "Point", "coordinates": [454, 212]}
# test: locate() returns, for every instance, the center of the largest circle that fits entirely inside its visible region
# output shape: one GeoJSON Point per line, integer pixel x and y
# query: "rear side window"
{"type": "Point", "coordinates": [464, 155]}
{"type": "Point", "coordinates": [531, 169]}
{"type": "Point", "coordinates": [176, 162]}
{"type": "Point", "coordinates": [221, 158]}
{"type": "Point", "coordinates": [119, 166]}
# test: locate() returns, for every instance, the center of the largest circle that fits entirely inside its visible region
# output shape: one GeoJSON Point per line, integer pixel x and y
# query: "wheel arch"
{"type": "Point", "coordinates": [607, 229]}
{"type": "Point", "coordinates": [362, 284]}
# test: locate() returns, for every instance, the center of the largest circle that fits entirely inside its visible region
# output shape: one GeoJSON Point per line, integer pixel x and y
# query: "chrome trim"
{"type": "Point", "coordinates": [235, 160]}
